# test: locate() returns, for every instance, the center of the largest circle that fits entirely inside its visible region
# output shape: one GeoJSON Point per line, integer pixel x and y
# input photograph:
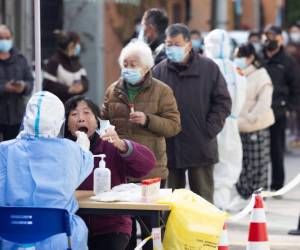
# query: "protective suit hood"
{"type": "Point", "coordinates": [44, 115]}
{"type": "Point", "coordinates": [217, 44]}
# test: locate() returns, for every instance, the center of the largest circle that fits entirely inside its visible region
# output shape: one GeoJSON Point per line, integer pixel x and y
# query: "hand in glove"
{"type": "Point", "coordinates": [83, 140]}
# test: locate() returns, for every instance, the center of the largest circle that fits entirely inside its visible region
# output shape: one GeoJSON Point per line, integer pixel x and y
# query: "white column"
{"type": "Point", "coordinates": [221, 14]}
{"type": "Point", "coordinates": [37, 45]}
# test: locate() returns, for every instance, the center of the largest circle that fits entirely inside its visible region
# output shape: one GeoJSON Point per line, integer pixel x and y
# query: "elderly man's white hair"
{"type": "Point", "coordinates": [139, 48]}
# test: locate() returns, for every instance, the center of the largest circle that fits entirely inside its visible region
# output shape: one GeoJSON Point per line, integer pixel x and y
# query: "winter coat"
{"type": "Point", "coordinates": [282, 69]}
{"type": "Point", "coordinates": [137, 164]}
{"type": "Point", "coordinates": [204, 103]}
{"type": "Point", "coordinates": [61, 72]}
{"type": "Point", "coordinates": [257, 113]}
{"type": "Point", "coordinates": [157, 101]}
{"type": "Point", "coordinates": [12, 105]}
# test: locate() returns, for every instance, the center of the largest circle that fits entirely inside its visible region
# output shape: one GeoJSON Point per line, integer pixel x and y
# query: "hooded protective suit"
{"type": "Point", "coordinates": [38, 169]}
{"type": "Point", "coordinates": [227, 171]}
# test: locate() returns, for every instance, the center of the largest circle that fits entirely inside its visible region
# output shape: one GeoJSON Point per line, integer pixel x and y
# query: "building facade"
{"type": "Point", "coordinates": [106, 25]}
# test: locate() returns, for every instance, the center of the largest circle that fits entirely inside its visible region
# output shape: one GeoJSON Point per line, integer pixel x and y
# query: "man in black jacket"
{"type": "Point", "coordinates": [282, 69]}
{"type": "Point", "coordinates": [16, 82]}
{"type": "Point", "coordinates": [155, 22]}
{"type": "Point", "coordinates": [204, 103]}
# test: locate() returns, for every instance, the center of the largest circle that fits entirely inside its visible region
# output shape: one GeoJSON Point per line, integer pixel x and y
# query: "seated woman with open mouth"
{"type": "Point", "coordinates": [123, 157]}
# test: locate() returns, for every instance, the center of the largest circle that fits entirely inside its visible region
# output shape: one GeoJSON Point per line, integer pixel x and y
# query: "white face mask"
{"type": "Point", "coordinates": [295, 37]}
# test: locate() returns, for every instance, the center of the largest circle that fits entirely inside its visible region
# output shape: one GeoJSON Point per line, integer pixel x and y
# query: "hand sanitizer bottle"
{"type": "Point", "coordinates": [102, 177]}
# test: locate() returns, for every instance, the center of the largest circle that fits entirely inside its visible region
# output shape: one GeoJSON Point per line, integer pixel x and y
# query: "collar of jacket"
{"type": "Point", "coordinates": [70, 63]}
{"type": "Point", "coordinates": [121, 89]}
{"type": "Point", "coordinates": [189, 69]}
{"type": "Point", "coordinates": [157, 42]}
{"type": "Point", "coordinates": [249, 70]}
{"type": "Point", "coordinates": [277, 58]}
{"type": "Point", "coordinates": [94, 140]}
{"type": "Point", "coordinates": [14, 53]}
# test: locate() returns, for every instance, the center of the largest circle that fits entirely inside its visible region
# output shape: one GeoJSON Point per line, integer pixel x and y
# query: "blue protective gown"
{"type": "Point", "coordinates": [45, 172]}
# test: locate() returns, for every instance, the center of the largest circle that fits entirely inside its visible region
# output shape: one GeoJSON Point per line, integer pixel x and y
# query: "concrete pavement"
{"type": "Point", "coordinates": [282, 215]}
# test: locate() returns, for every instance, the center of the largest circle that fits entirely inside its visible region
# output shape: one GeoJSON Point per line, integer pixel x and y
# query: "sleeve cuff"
{"type": "Point", "coordinates": [147, 122]}
{"type": "Point", "coordinates": [129, 150]}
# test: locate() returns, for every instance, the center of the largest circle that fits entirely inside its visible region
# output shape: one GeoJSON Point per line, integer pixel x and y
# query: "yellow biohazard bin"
{"type": "Point", "coordinates": [193, 224]}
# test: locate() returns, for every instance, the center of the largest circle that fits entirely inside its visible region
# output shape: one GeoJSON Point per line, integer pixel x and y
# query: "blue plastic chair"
{"type": "Point", "coordinates": [28, 225]}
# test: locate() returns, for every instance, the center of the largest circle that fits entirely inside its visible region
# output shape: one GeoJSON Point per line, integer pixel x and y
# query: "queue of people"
{"type": "Point", "coordinates": [181, 107]}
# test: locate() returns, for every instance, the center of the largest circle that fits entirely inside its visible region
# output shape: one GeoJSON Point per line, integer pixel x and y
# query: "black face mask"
{"type": "Point", "coordinates": [271, 45]}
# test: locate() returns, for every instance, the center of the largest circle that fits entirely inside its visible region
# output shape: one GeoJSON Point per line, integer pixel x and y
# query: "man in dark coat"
{"type": "Point", "coordinates": [204, 103]}
{"type": "Point", "coordinates": [155, 22]}
{"type": "Point", "coordinates": [16, 82]}
{"type": "Point", "coordinates": [282, 69]}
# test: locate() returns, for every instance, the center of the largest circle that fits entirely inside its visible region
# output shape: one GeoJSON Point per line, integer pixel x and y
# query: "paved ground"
{"type": "Point", "coordinates": [282, 215]}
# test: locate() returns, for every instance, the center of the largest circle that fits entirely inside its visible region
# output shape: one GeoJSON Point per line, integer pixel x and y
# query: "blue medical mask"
{"type": "Point", "coordinates": [77, 49]}
{"type": "Point", "coordinates": [176, 53]}
{"type": "Point", "coordinates": [132, 76]}
{"type": "Point", "coordinates": [5, 45]}
{"type": "Point", "coordinates": [196, 43]}
{"type": "Point", "coordinates": [241, 62]}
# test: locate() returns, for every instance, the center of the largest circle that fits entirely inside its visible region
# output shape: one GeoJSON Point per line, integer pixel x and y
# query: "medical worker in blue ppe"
{"type": "Point", "coordinates": [38, 169]}
{"type": "Point", "coordinates": [227, 170]}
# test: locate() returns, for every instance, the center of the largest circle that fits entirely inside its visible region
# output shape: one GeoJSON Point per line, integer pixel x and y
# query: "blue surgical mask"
{"type": "Point", "coordinates": [5, 45]}
{"type": "Point", "coordinates": [77, 49]}
{"type": "Point", "coordinates": [196, 43]}
{"type": "Point", "coordinates": [132, 76]}
{"type": "Point", "coordinates": [176, 53]}
{"type": "Point", "coordinates": [241, 62]}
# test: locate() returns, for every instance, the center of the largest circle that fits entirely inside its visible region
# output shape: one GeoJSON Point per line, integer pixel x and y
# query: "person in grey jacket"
{"type": "Point", "coordinates": [204, 103]}
{"type": "Point", "coordinates": [16, 82]}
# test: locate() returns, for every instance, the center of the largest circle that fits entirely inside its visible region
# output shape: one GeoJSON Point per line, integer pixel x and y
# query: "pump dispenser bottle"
{"type": "Point", "coordinates": [102, 177]}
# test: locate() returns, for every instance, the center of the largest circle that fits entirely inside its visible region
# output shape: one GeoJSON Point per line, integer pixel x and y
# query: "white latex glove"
{"type": "Point", "coordinates": [83, 140]}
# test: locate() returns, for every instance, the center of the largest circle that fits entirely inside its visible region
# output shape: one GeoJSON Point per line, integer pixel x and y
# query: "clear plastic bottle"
{"type": "Point", "coordinates": [102, 177]}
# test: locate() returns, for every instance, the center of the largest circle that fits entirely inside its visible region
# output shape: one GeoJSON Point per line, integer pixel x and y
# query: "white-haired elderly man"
{"type": "Point", "coordinates": [142, 108]}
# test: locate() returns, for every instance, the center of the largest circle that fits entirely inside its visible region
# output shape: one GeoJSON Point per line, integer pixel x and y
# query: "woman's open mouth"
{"type": "Point", "coordinates": [83, 129]}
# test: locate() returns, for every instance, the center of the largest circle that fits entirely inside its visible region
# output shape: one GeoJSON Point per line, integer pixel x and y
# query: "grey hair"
{"type": "Point", "coordinates": [139, 48]}
{"type": "Point", "coordinates": [179, 29]}
{"type": "Point", "coordinates": [3, 26]}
